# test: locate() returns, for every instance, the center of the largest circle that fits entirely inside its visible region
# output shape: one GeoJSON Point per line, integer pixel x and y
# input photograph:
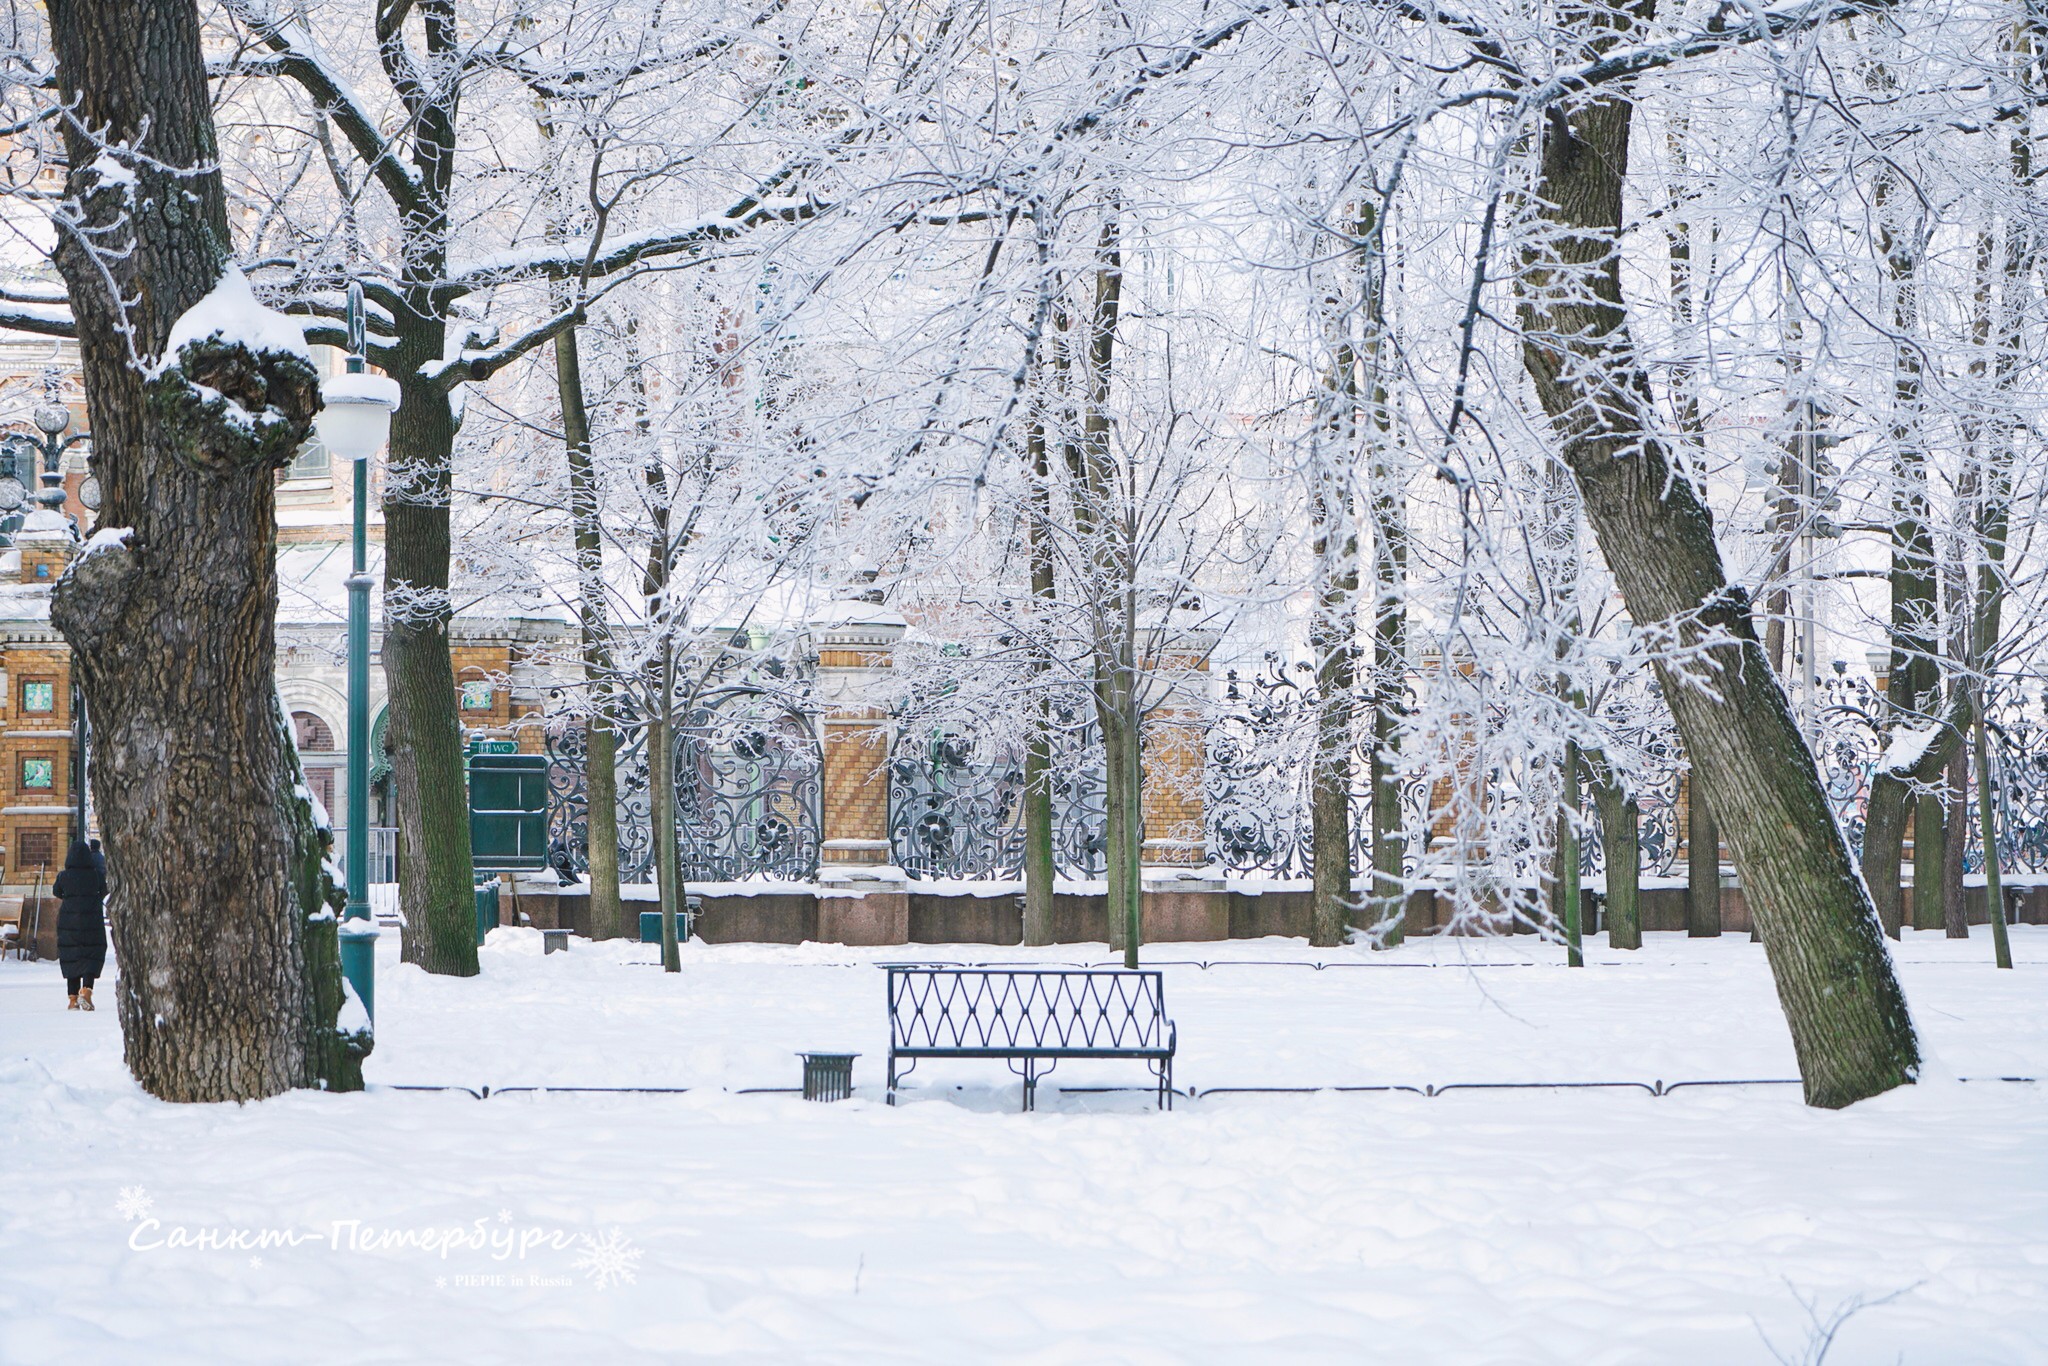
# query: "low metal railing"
{"type": "Point", "coordinates": [383, 853]}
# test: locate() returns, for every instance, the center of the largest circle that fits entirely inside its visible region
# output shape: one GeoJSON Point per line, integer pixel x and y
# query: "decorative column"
{"type": "Point", "coordinates": [1183, 900]}
{"type": "Point", "coordinates": [862, 897]}
{"type": "Point", "coordinates": [1176, 748]}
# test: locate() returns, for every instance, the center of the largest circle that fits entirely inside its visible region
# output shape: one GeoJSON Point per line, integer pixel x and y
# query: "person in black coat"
{"type": "Point", "coordinates": [81, 923]}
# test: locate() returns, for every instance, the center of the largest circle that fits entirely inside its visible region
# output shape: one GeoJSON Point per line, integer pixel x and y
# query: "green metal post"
{"type": "Point", "coordinates": [1994, 894]}
{"type": "Point", "coordinates": [359, 941]}
{"type": "Point", "coordinates": [1568, 855]}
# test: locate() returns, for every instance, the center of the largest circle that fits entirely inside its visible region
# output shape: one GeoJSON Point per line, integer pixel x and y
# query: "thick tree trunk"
{"type": "Point", "coordinates": [1702, 863]}
{"type": "Point", "coordinates": [1911, 686]}
{"type": "Point", "coordinates": [1850, 1027]}
{"type": "Point", "coordinates": [435, 875]}
{"type": "Point", "coordinates": [1333, 643]}
{"type": "Point", "coordinates": [222, 921]}
{"type": "Point", "coordinates": [1621, 847]}
{"type": "Point", "coordinates": [607, 910]}
{"type": "Point", "coordinates": [1930, 858]}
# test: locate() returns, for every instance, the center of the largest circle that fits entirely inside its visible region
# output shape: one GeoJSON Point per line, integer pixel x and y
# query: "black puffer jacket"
{"type": "Point", "coordinates": [81, 917]}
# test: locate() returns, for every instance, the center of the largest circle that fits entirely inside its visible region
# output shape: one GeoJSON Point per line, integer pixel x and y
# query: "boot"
{"type": "Point", "coordinates": [74, 1002]}
{"type": "Point", "coordinates": [85, 998]}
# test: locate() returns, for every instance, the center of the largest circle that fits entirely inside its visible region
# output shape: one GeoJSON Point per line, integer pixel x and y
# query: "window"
{"type": "Point", "coordinates": [35, 849]}
{"type": "Point", "coordinates": [477, 696]}
{"type": "Point", "coordinates": [310, 462]}
{"type": "Point", "coordinates": [312, 733]}
{"type": "Point", "coordinates": [39, 773]}
{"type": "Point", "coordinates": [321, 780]}
{"type": "Point", "coordinates": [38, 694]}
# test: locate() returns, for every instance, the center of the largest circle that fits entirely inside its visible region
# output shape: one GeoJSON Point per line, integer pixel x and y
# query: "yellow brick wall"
{"type": "Point", "coordinates": [46, 664]}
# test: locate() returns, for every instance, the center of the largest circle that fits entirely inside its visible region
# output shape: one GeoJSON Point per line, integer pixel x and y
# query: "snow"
{"type": "Point", "coordinates": [1906, 748]}
{"type": "Point", "coordinates": [1497, 1226]}
{"type": "Point", "coordinates": [106, 538]}
{"type": "Point", "coordinates": [110, 171]}
{"type": "Point", "coordinates": [363, 388]}
{"type": "Point", "coordinates": [231, 312]}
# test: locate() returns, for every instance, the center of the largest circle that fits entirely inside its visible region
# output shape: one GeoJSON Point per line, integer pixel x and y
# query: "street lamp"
{"type": "Point", "coordinates": [355, 418]}
{"type": "Point", "coordinates": [52, 419]}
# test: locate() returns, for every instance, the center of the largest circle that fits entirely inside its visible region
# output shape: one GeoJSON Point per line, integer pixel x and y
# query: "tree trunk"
{"type": "Point", "coordinates": [1039, 870]}
{"type": "Point", "coordinates": [1568, 903]}
{"type": "Point", "coordinates": [437, 881]}
{"type": "Point", "coordinates": [436, 876]}
{"type": "Point", "coordinates": [1702, 864]}
{"type": "Point", "coordinates": [607, 910]}
{"type": "Point", "coordinates": [1850, 1027]}
{"type": "Point", "coordinates": [1954, 902]}
{"type": "Point", "coordinates": [1333, 639]}
{"type": "Point", "coordinates": [1912, 683]}
{"type": "Point", "coordinates": [1930, 858]}
{"type": "Point", "coordinates": [1105, 525]}
{"type": "Point", "coordinates": [222, 921]}
{"type": "Point", "coordinates": [1621, 847]}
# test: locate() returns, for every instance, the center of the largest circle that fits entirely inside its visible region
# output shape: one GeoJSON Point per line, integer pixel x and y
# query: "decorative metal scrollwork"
{"type": "Point", "coordinates": [568, 749]}
{"type": "Point", "coordinates": [956, 800]}
{"type": "Point", "coordinates": [1256, 789]}
{"type": "Point", "coordinates": [956, 806]}
{"type": "Point", "coordinates": [2016, 726]}
{"type": "Point", "coordinates": [748, 792]}
{"type": "Point", "coordinates": [749, 789]}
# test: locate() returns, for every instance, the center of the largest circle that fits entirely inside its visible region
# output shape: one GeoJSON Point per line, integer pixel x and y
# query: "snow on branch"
{"type": "Point", "coordinates": [300, 59]}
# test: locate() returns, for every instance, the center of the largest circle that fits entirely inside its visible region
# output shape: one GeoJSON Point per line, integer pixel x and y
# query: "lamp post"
{"type": "Point", "coordinates": [52, 419]}
{"type": "Point", "coordinates": [355, 418]}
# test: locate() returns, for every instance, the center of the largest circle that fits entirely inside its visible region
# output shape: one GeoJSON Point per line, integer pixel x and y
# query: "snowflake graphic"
{"type": "Point", "coordinates": [504, 1216]}
{"type": "Point", "coordinates": [440, 1282]}
{"type": "Point", "coordinates": [608, 1259]}
{"type": "Point", "coordinates": [134, 1203]}
{"type": "Point", "coordinates": [256, 1263]}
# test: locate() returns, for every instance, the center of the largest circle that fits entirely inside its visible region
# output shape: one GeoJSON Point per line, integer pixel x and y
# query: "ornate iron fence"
{"type": "Point", "coordinates": [748, 791]}
{"type": "Point", "coordinates": [956, 799]}
{"type": "Point", "coordinates": [1256, 785]}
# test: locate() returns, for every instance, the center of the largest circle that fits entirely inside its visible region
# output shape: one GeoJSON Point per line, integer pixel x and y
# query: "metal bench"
{"type": "Point", "coordinates": [1036, 1018]}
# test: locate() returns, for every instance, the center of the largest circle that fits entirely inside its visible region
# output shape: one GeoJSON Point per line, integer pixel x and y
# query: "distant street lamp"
{"type": "Point", "coordinates": [18, 459]}
{"type": "Point", "coordinates": [355, 419]}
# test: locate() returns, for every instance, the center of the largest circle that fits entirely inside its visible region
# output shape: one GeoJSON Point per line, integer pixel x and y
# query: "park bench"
{"type": "Point", "coordinates": [1029, 1017]}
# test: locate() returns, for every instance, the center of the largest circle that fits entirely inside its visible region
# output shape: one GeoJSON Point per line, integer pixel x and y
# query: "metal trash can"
{"type": "Point", "coordinates": [486, 909]}
{"type": "Point", "coordinates": [828, 1076]}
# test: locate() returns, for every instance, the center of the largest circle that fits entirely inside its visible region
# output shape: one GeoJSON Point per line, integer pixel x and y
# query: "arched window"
{"type": "Point", "coordinates": [311, 732]}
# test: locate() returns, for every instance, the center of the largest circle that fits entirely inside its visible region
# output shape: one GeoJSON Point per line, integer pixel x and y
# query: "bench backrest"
{"type": "Point", "coordinates": [975, 1008]}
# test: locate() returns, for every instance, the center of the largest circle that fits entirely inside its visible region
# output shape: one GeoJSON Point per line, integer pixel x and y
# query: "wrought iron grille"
{"type": "Point", "coordinates": [1256, 786]}
{"type": "Point", "coordinates": [1852, 725]}
{"type": "Point", "coordinates": [568, 750]}
{"type": "Point", "coordinates": [749, 789]}
{"type": "Point", "coordinates": [956, 800]}
{"type": "Point", "coordinates": [748, 792]}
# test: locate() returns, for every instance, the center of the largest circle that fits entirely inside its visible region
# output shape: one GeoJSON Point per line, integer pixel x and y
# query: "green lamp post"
{"type": "Point", "coordinates": [354, 420]}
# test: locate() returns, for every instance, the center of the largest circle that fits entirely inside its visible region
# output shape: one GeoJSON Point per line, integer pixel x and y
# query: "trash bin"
{"type": "Point", "coordinates": [486, 910]}
{"type": "Point", "coordinates": [828, 1076]}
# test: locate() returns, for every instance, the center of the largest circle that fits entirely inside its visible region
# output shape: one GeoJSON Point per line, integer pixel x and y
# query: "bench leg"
{"type": "Point", "coordinates": [1030, 1087]}
{"type": "Point", "coordinates": [892, 1079]}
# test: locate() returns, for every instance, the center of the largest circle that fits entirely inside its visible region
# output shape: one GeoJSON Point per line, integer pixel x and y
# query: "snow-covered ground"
{"type": "Point", "coordinates": [1712, 1225]}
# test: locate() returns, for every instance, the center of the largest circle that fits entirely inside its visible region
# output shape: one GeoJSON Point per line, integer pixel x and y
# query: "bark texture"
{"type": "Point", "coordinates": [1850, 1027]}
{"type": "Point", "coordinates": [220, 917]}
{"type": "Point", "coordinates": [607, 908]}
{"type": "Point", "coordinates": [1039, 870]}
